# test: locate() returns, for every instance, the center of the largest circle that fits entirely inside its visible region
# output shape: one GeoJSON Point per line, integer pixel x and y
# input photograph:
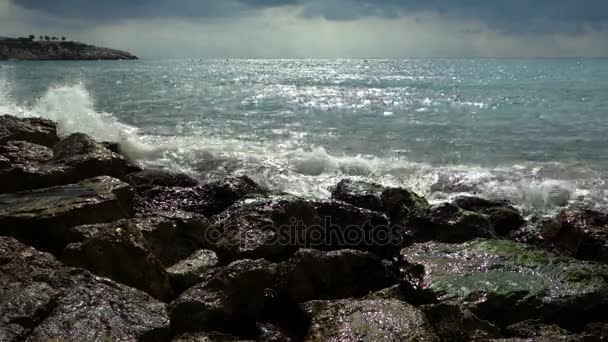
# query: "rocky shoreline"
{"type": "Point", "coordinates": [25, 50]}
{"type": "Point", "coordinates": [93, 248]}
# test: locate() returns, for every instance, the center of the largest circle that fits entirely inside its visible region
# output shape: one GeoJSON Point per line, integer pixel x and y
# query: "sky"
{"type": "Point", "coordinates": [321, 29]}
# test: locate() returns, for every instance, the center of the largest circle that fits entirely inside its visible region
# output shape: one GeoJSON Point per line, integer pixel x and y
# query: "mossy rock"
{"type": "Point", "coordinates": [507, 282]}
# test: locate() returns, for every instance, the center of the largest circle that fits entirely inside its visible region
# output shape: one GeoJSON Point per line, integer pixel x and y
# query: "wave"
{"type": "Point", "coordinates": [288, 162]}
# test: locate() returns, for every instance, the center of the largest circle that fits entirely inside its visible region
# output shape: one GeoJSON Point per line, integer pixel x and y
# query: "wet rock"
{"type": "Point", "coordinates": [41, 217]}
{"type": "Point", "coordinates": [174, 236]}
{"type": "Point", "coordinates": [503, 217]}
{"type": "Point", "coordinates": [151, 178]}
{"type": "Point", "coordinates": [506, 282]}
{"type": "Point", "coordinates": [451, 322]}
{"type": "Point", "coordinates": [393, 292]}
{"type": "Point", "coordinates": [23, 152]}
{"type": "Point", "coordinates": [40, 300]}
{"type": "Point", "coordinates": [209, 199]}
{"type": "Point", "coordinates": [230, 300]}
{"type": "Point", "coordinates": [118, 251]}
{"type": "Point", "coordinates": [536, 329]}
{"type": "Point", "coordinates": [367, 320]}
{"type": "Point", "coordinates": [192, 270]}
{"type": "Point", "coordinates": [360, 194]}
{"type": "Point", "coordinates": [33, 130]}
{"type": "Point", "coordinates": [272, 229]}
{"type": "Point", "coordinates": [397, 203]}
{"type": "Point", "coordinates": [312, 274]}
{"type": "Point", "coordinates": [345, 226]}
{"type": "Point", "coordinates": [448, 223]}
{"type": "Point", "coordinates": [268, 332]}
{"type": "Point", "coordinates": [580, 233]}
{"type": "Point", "coordinates": [265, 333]}
{"type": "Point", "coordinates": [596, 330]}
{"type": "Point", "coordinates": [207, 337]}
{"type": "Point", "coordinates": [87, 158]}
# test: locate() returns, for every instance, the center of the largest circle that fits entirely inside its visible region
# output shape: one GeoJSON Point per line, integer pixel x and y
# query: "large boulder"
{"type": "Point", "coordinates": [33, 130]}
{"type": "Point", "coordinates": [452, 322]}
{"type": "Point", "coordinates": [87, 158]}
{"type": "Point", "coordinates": [231, 300]}
{"type": "Point", "coordinates": [580, 233]}
{"type": "Point", "coordinates": [272, 228]}
{"type": "Point", "coordinates": [209, 199]}
{"type": "Point", "coordinates": [40, 300]}
{"type": "Point", "coordinates": [174, 236]}
{"type": "Point", "coordinates": [507, 282]}
{"type": "Point", "coordinates": [448, 223]}
{"type": "Point", "coordinates": [367, 320]}
{"type": "Point", "coordinates": [41, 217]}
{"type": "Point", "coordinates": [397, 203]}
{"type": "Point", "coordinates": [23, 152]}
{"type": "Point", "coordinates": [151, 178]}
{"type": "Point", "coordinates": [192, 270]}
{"type": "Point", "coordinates": [503, 217]}
{"type": "Point", "coordinates": [312, 274]}
{"type": "Point", "coordinates": [118, 251]}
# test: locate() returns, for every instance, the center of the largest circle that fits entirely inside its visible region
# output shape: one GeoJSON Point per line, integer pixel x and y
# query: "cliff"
{"type": "Point", "coordinates": [16, 49]}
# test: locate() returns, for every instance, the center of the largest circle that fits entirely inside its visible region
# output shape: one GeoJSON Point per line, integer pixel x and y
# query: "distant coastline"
{"type": "Point", "coordinates": [27, 49]}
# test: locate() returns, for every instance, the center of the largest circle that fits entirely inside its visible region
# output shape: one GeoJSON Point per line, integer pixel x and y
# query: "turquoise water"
{"type": "Point", "coordinates": [533, 131]}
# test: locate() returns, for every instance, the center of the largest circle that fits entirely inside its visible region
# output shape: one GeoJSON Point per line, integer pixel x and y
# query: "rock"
{"type": "Point", "coordinates": [207, 337]}
{"type": "Point", "coordinates": [23, 152]}
{"type": "Point", "coordinates": [503, 217]}
{"type": "Point", "coordinates": [367, 320]}
{"type": "Point", "coordinates": [451, 322]}
{"type": "Point", "coordinates": [312, 274]}
{"type": "Point", "coordinates": [397, 203]}
{"type": "Point", "coordinates": [360, 194]}
{"type": "Point", "coordinates": [86, 158]}
{"type": "Point", "coordinates": [192, 270]}
{"type": "Point", "coordinates": [268, 332]}
{"type": "Point", "coordinates": [272, 229]}
{"type": "Point", "coordinates": [506, 282]}
{"type": "Point", "coordinates": [230, 301]}
{"type": "Point", "coordinates": [209, 199]}
{"type": "Point", "coordinates": [17, 49]}
{"type": "Point", "coordinates": [448, 223]}
{"type": "Point", "coordinates": [42, 301]}
{"type": "Point", "coordinates": [174, 236]}
{"type": "Point", "coordinates": [536, 329]}
{"type": "Point", "coordinates": [581, 233]}
{"type": "Point", "coordinates": [150, 178]}
{"type": "Point", "coordinates": [33, 130]}
{"type": "Point", "coordinates": [40, 218]}
{"type": "Point", "coordinates": [347, 227]}
{"type": "Point", "coordinates": [118, 251]}
{"type": "Point", "coordinates": [597, 330]}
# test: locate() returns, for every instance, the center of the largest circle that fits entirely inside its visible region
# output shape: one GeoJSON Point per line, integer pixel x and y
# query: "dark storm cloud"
{"type": "Point", "coordinates": [511, 16]}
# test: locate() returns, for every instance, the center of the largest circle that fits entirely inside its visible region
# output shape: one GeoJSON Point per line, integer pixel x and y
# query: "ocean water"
{"type": "Point", "coordinates": [531, 131]}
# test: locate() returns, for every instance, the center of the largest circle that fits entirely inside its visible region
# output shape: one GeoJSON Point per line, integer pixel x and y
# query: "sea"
{"type": "Point", "coordinates": [532, 131]}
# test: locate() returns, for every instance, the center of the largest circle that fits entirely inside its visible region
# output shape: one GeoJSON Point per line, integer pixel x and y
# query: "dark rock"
{"type": "Point", "coordinates": [33, 130]}
{"type": "Point", "coordinates": [151, 178]}
{"type": "Point", "coordinates": [597, 330]}
{"type": "Point", "coordinates": [87, 158]}
{"type": "Point", "coordinates": [207, 337]}
{"type": "Point", "coordinates": [448, 223]}
{"type": "Point", "coordinates": [393, 292]}
{"type": "Point", "coordinates": [397, 203]}
{"type": "Point", "coordinates": [175, 236]}
{"type": "Point", "coordinates": [503, 216]}
{"type": "Point", "coordinates": [580, 233]}
{"type": "Point", "coordinates": [23, 152]}
{"type": "Point", "coordinates": [451, 322]}
{"type": "Point", "coordinates": [536, 329]}
{"type": "Point", "coordinates": [360, 194]}
{"type": "Point", "coordinates": [272, 229]}
{"type": "Point", "coordinates": [209, 199]}
{"type": "Point", "coordinates": [367, 320]}
{"type": "Point", "coordinates": [345, 226]}
{"type": "Point", "coordinates": [192, 270]}
{"type": "Point", "coordinates": [41, 217]}
{"type": "Point", "coordinates": [312, 274]}
{"type": "Point", "coordinates": [506, 282]}
{"type": "Point", "coordinates": [231, 300]}
{"type": "Point", "coordinates": [270, 333]}
{"type": "Point", "coordinates": [118, 251]}
{"type": "Point", "coordinates": [42, 301]}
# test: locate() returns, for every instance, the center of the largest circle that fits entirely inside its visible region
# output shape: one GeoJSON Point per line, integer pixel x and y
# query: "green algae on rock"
{"type": "Point", "coordinates": [508, 282]}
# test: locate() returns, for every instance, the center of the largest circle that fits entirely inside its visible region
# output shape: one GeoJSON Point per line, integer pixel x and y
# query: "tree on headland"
{"type": "Point", "coordinates": [47, 38]}
{"type": "Point", "coordinates": [63, 38]}
{"type": "Point", "coordinates": [32, 37]}
{"type": "Point", "coordinates": [41, 38]}
{"type": "Point", "coordinates": [53, 38]}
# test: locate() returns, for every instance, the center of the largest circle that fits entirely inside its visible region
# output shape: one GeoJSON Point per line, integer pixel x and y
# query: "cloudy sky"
{"type": "Point", "coordinates": [316, 28]}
